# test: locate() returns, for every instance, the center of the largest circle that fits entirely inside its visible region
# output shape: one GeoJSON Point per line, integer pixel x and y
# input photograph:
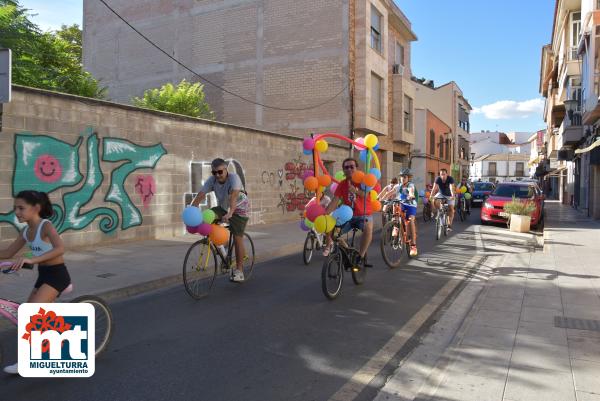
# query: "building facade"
{"type": "Point", "coordinates": [304, 66]}
{"type": "Point", "coordinates": [491, 142]}
{"type": "Point", "coordinates": [432, 150]}
{"type": "Point", "coordinates": [501, 168]}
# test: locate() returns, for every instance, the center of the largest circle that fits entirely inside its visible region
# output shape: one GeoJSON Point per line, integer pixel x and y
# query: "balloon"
{"type": "Point", "coordinates": [359, 143]}
{"type": "Point", "coordinates": [375, 171]}
{"type": "Point", "coordinates": [342, 214]}
{"type": "Point", "coordinates": [467, 196]}
{"type": "Point", "coordinates": [333, 188]}
{"type": "Point", "coordinates": [427, 194]}
{"type": "Point", "coordinates": [357, 177]}
{"type": "Point", "coordinates": [303, 226]}
{"type": "Point", "coordinates": [324, 224]}
{"type": "Point", "coordinates": [425, 200]}
{"type": "Point", "coordinates": [307, 173]}
{"type": "Point", "coordinates": [321, 146]}
{"type": "Point", "coordinates": [310, 202]}
{"type": "Point", "coordinates": [192, 230]}
{"type": "Point", "coordinates": [365, 188]}
{"type": "Point", "coordinates": [314, 211]}
{"type": "Point", "coordinates": [308, 144]}
{"type": "Point", "coordinates": [376, 206]}
{"type": "Point", "coordinates": [208, 216]}
{"type": "Point", "coordinates": [324, 180]}
{"type": "Point", "coordinates": [370, 180]}
{"type": "Point", "coordinates": [308, 223]}
{"type": "Point", "coordinates": [311, 183]}
{"type": "Point", "coordinates": [219, 235]}
{"type": "Point", "coordinates": [377, 188]}
{"type": "Point", "coordinates": [340, 176]}
{"type": "Point", "coordinates": [307, 152]}
{"type": "Point", "coordinates": [376, 147]}
{"type": "Point", "coordinates": [373, 195]}
{"type": "Point", "coordinates": [330, 223]}
{"type": "Point", "coordinates": [191, 216]}
{"type": "Point", "coordinates": [370, 141]}
{"type": "Point", "coordinates": [363, 156]}
{"type": "Point", "coordinates": [463, 189]}
{"type": "Point", "coordinates": [204, 229]}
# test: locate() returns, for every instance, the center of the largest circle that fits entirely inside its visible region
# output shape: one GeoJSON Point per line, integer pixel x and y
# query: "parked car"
{"type": "Point", "coordinates": [480, 191]}
{"type": "Point", "coordinates": [493, 207]}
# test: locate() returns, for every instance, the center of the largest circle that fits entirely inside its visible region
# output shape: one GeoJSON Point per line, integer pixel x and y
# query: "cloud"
{"type": "Point", "coordinates": [509, 109]}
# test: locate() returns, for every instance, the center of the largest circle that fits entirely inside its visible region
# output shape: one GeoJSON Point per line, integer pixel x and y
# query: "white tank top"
{"type": "Point", "coordinates": [38, 247]}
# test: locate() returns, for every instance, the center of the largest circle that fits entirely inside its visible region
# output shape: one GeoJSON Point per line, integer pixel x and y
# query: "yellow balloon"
{"type": "Point", "coordinates": [373, 195]}
{"type": "Point", "coordinates": [370, 141]}
{"type": "Point", "coordinates": [463, 189]}
{"type": "Point", "coordinates": [330, 223]}
{"type": "Point", "coordinates": [321, 224]}
{"type": "Point", "coordinates": [321, 146]}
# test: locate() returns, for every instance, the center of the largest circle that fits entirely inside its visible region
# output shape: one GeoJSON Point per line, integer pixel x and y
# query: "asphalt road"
{"type": "Point", "coordinates": [273, 338]}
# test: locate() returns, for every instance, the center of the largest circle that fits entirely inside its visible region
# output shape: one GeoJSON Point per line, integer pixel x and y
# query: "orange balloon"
{"type": "Point", "coordinates": [311, 183]}
{"type": "Point", "coordinates": [370, 180]}
{"type": "Point", "coordinates": [358, 177]}
{"type": "Point", "coordinates": [376, 205]}
{"type": "Point", "coordinates": [219, 235]}
{"type": "Point", "coordinates": [324, 180]}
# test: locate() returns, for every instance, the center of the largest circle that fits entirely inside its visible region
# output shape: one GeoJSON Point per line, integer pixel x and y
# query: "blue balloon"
{"type": "Point", "coordinates": [422, 193]}
{"type": "Point", "coordinates": [363, 156]}
{"type": "Point", "coordinates": [376, 146]}
{"type": "Point", "coordinates": [365, 188]}
{"type": "Point", "coordinates": [307, 152]}
{"type": "Point", "coordinates": [192, 216]}
{"type": "Point", "coordinates": [342, 214]}
{"type": "Point", "coordinates": [303, 226]}
{"type": "Point", "coordinates": [375, 171]}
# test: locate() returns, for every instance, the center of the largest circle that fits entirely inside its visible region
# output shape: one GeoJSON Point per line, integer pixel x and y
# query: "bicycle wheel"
{"type": "Point", "coordinates": [461, 211]}
{"type": "Point", "coordinates": [332, 275]}
{"type": "Point", "coordinates": [359, 272]}
{"type": "Point", "coordinates": [439, 225]}
{"type": "Point", "coordinates": [104, 325]}
{"type": "Point", "coordinates": [391, 245]}
{"type": "Point", "coordinates": [199, 269]}
{"type": "Point", "coordinates": [309, 246]}
{"type": "Point", "coordinates": [427, 212]}
{"type": "Point", "coordinates": [249, 259]}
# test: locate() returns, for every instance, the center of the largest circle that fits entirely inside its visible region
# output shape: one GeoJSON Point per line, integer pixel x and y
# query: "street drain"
{"type": "Point", "coordinates": [577, 324]}
{"type": "Point", "coordinates": [106, 275]}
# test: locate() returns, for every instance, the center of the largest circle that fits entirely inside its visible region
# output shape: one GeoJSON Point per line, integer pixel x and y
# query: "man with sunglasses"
{"type": "Point", "coordinates": [351, 194]}
{"type": "Point", "coordinates": [233, 208]}
{"type": "Point", "coordinates": [443, 188]}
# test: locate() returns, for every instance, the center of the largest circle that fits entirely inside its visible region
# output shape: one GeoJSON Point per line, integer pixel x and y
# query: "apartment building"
{"type": "Point", "coordinates": [503, 167]}
{"type": "Point", "coordinates": [432, 148]}
{"type": "Point", "coordinates": [349, 57]}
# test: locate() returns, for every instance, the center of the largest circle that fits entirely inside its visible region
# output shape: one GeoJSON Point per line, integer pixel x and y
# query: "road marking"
{"type": "Point", "coordinates": [478, 240]}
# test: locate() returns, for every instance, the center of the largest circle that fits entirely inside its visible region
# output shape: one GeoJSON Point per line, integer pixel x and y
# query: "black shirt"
{"type": "Point", "coordinates": [444, 186]}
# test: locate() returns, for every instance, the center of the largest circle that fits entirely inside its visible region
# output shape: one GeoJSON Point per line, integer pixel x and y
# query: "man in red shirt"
{"type": "Point", "coordinates": [350, 194]}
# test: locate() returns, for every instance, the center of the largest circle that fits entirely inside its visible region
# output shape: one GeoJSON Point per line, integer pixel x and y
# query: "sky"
{"type": "Point", "coordinates": [490, 48]}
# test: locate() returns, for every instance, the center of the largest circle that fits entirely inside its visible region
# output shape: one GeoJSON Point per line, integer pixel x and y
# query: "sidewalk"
{"type": "Point", "coordinates": [123, 270]}
{"type": "Point", "coordinates": [531, 330]}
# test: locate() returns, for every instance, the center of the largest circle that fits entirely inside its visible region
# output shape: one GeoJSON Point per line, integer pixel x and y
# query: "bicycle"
{"type": "Point", "coordinates": [461, 207]}
{"type": "Point", "coordinates": [104, 324]}
{"type": "Point", "coordinates": [396, 237]}
{"type": "Point", "coordinates": [313, 241]}
{"type": "Point", "coordinates": [427, 211]}
{"type": "Point", "coordinates": [387, 215]}
{"type": "Point", "coordinates": [342, 257]}
{"type": "Point", "coordinates": [200, 266]}
{"type": "Point", "coordinates": [441, 220]}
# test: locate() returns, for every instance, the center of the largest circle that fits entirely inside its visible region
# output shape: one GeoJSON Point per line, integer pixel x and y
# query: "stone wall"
{"type": "Point", "coordinates": [117, 172]}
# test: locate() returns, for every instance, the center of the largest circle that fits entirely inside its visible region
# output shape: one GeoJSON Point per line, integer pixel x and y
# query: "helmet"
{"type": "Point", "coordinates": [405, 171]}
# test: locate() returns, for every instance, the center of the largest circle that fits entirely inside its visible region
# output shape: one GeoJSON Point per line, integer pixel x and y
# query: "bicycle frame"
{"type": "Point", "coordinates": [400, 214]}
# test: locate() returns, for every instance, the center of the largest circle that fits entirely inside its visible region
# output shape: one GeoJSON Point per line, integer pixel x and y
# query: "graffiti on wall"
{"type": "Point", "coordinates": [47, 164]}
{"type": "Point", "coordinates": [292, 197]}
{"type": "Point", "coordinates": [145, 187]}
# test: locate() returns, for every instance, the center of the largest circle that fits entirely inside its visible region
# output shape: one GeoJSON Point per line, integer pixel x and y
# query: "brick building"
{"type": "Point", "coordinates": [286, 53]}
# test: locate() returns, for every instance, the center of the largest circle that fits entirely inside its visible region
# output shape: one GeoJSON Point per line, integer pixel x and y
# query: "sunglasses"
{"type": "Point", "coordinates": [348, 167]}
{"type": "Point", "coordinates": [218, 172]}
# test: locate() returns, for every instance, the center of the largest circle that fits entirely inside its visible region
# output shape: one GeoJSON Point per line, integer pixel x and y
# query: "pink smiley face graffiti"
{"type": "Point", "coordinates": [47, 168]}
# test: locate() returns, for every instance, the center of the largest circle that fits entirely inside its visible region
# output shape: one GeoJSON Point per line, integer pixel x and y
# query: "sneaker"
{"type": "Point", "coordinates": [237, 276]}
{"type": "Point", "coordinates": [12, 369]}
{"type": "Point", "coordinates": [449, 228]}
{"type": "Point", "coordinates": [327, 250]}
{"type": "Point", "coordinates": [413, 250]}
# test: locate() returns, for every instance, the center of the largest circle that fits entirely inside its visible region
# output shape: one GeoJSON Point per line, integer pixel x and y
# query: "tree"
{"type": "Point", "coordinates": [187, 99]}
{"type": "Point", "coordinates": [46, 60]}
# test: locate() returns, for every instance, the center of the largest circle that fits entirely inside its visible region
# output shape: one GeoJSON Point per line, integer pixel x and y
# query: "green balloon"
{"type": "Point", "coordinates": [467, 196]}
{"type": "Point", "coordinates": [208, 216]}
{"type": "Point", "coordinates": [339, 175]}
{"type": "Point", "coordinates": [308, 223]}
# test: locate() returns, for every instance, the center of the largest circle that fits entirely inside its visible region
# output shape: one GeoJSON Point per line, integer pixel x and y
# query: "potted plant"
{"type": "Point", "coordinates": [519, 214]}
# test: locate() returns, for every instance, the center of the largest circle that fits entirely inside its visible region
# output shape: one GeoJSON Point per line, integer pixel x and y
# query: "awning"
{"type": "Point", "coordinates": [589, 148]}
{"type": "Point", "coordinates": [557, 172]}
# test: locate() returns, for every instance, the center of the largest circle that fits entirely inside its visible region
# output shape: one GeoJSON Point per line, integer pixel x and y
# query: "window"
{"type": "Point", "coordinates": [375, 29]}
{"type": "Point", "coordinates": [430, 177]}
{"type": "Point", "coordinates": [399, 54]}
{"type": "Point", "coordinates": [441, 145]}
{"type": "Point", "coordinates": [376, 97]}
{"type": "Point", "coordinates": [491, 168]}
{"type": "Point", "coordinates": [448, 149]}
{"type": "Point", "coordinates": [432, 142]}
{"type": "Point", "coordinates": [520, 169]}
{"type": "Point", "coordinates": [408, 114]}
{"type": "Point", "coordinates": [575, 32]}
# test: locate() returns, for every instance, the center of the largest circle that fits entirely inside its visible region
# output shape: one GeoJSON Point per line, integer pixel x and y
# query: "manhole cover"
{"type": "Point", "coordinates": [106, 275]}
{"type": "Point", "coordinates": [577, 324]}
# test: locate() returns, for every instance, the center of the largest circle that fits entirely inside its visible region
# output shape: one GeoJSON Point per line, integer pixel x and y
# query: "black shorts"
{"type": "Point", "coordinates": [56, 276]}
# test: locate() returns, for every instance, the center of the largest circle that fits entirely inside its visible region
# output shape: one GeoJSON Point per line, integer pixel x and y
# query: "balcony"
{"type": "Point", "coordinates": [570, 131]}
{"type": "Point", "coordinates": [591, 106]}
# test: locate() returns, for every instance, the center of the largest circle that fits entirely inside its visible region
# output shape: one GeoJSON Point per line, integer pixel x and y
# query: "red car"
{"type": "Point", "coordinates": [492, 210]}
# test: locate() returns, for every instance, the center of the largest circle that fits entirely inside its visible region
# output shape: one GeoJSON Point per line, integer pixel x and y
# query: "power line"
{"type": "Point", "coordinates": [214, 84]}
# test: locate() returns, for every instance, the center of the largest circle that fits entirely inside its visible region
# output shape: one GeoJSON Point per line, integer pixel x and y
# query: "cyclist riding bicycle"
{"type": "Point", "coordinates": [388, 193]}
{"type": "Point", "coordinates": [443, 188]}
{"type": "Point", "coordinates": [407, 196]}
{"type": "Point", "coordinates": [466, 184]}
{"type": "Point", "coordinates": [351, 194]}
{"type": "Point", "coordinates": [233, 208]}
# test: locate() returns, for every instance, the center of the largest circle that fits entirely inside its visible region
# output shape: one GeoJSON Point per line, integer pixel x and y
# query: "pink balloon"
{"type": "Point", "coordinates": [192, 230]}
{"type": "Point", "coordinates": [333, 187]}
{"type": "Point", "coordinates": [308, 144]}
{"type": "Point", "coordinates": [307, 173]}
{"type": "Point", "coordinates": [314, 211]}
{"type": "Point", "coordinates": [310, 203]}
{"type": "Point", "coordinates": [360, 141]}
{"type": "Point", "coordinates": [204, 229]}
